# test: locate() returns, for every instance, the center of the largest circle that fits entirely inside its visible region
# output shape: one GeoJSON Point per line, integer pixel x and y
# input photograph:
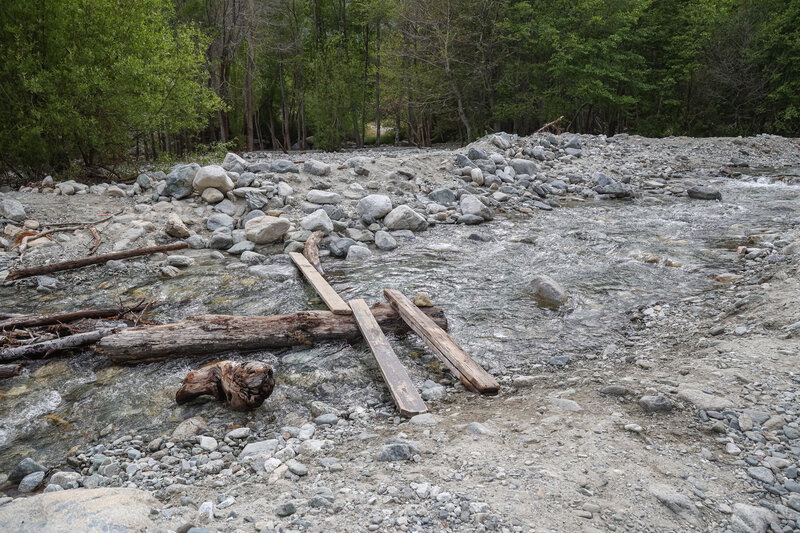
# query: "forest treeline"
{"type": "Point", "coordinates": [100, 82]}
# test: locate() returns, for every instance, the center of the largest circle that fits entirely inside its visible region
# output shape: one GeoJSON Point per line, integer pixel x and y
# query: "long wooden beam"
{"type": "Point", "coordinates": [405, 394]}
{"type": "Point", "coordinates": [471, 374]}
{"type": "Point", "coordinates": [334, 302]}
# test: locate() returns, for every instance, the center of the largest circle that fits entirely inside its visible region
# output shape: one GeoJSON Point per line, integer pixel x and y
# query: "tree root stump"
{"type": "Point", "coordinates": [242, 386]}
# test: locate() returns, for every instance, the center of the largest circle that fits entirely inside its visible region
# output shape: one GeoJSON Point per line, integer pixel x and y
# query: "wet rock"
{"type": "Point", "coordinates": [358, 253]}
{"type": "Point", "coordinates": [317, 168]}
{"type": "Point", "coordinates": [318, 220]}
{"type": "Point", "coordinates": [405, 218]}
{"type": "Point", "coordinates": [189, 428]}
{"type": "Point", "coordinates": [676, 502]}
{"type": "Point", "coordinates": [274, 272]}
{"type": "Point", "coordinates": [422, 300]}
{"type": "Point", "coordinates": [374, 207]}
{"type": "Point", "coordinates": [267, 229]}
{"type": "Point", "coordinates": [25, 467]}
{"type": "Point", "coordinates": [339, 247]}
{"type": "Point", "coordinates": [547, 292]}
{"type": "Point", "coordinates": [316, 196]}
{"type": "Point", "coordinates": [180, 180]}
{"type": "Point", "coordinates": [12, 210]}
{"type": "Point", "coordinates": [384, 241]}
{"type": "Point", "coordinates": [231, 160]}
{"type": "Point", "coordinates": [81, 510]}
{"type": "Point", "coordinates": [175, 227]}
{"type": "Point", "coordinates": [704, 193]}
{"type": "Point", "coordinates": [655, 404]}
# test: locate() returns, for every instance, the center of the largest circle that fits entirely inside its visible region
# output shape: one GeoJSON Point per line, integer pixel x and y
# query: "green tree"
{"type": "Point", "coordinates": [88, 78]}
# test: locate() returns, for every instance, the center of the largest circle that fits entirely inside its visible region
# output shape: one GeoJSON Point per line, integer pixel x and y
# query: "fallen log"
{"type": "Point", "coordinates": [86, 261]}
{"type": "Point", "coordinates": [212, 334]}
{"type": "Point", "coordinates": [27, 321]}
{"type": "Point", "coordinates": [43, 349]}
{"type": "Point", "coordinates": [311, 250]}
{"type": "Point", "coordinates": [9, 371]}
{"type": "Point", "coordinates": [242, 386]}
{"type": "Point", "coordinates": [550, 124]}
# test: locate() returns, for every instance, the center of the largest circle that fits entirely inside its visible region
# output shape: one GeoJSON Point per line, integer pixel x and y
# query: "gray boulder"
{"type": "Point", "coordinates": [231, 160]}
{"type": "Point", "coordinates": [25, 467]}
{"type": "Point", "coordinates": [281, 166]}
{"type": "Point", "coordinates": [31, 482]}
{"type": "Point", "coordinates": [265, 230]}
{"type": "Point", "coordinates": [12, 210]}
{"type": "Point", "coordinates": [212, 176]}
{"type": "Point", "coordinates": [442, 196]}
{"type": "Point", "coordinates": [339, 247]}
{"type": "Point", "coordinates": [317, 168]}
{"type": "Point", "coordinates": [471, 205]}
{"type": "Point", "coordinates": [318, 220]}
{"type": "Point", "coordinates": [316, 196]}
{"type": "Point", "coordinates": [523, 166]}
{"type": "Point", "coordinates": [704, 193]}
{"type": "Point", "coordinates": [384, 241]}
{"type": "Point", "coordinates": [476, 153]}
{"type": "Point", "coordinates": [374, 206]}
{"type": "Point", "coordinates": [547, 292]}
{"type": "Point", "coordinates": [180, 179]}
{"type": "Point", "coordinates": [220, 220]}
{"type": "Point", "coordinates": [403, 217]}
{"type": "Point", "coordinates": [358, 253]}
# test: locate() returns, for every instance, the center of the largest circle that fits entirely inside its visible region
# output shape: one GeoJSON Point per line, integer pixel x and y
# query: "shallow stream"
{"type": "Point", "coordinates": [611, 257]}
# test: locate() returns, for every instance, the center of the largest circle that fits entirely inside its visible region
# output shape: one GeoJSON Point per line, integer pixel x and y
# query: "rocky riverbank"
{"type": "Point", "coordinates": [688, 420]}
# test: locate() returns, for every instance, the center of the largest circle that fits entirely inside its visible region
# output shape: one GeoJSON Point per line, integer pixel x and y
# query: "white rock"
{"type": "Point", "coordinates": [209, 444]}
{"type": "Point", "coordinates": [231, 161]}
{"type": "Point", "coordinates": [212, 195]}
{"type": "Point", "coordinates": [374, 206]}
{"type": "Point", "coordinates": [318, 220]}
{"type": "Point", "coordinates": [403, 217]}
{"type": "Point", "coordinates": [265, 230]}
{"type": "Point", "coordinates": [212, 176]}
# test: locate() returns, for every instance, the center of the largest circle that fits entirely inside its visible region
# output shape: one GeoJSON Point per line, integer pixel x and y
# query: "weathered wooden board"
{"type": "Point", "coordinates": [471, 374]}
{"type": "Point", "coordinates": [405, 394]}
{"type": "Point", "coordinates": [325, 291]}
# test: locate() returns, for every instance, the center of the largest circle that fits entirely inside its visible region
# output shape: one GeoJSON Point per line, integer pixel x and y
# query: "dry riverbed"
{"type": "Point", "coordinates": [652, 387]}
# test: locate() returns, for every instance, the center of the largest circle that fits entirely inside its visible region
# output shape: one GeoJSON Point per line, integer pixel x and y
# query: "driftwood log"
{"type": "Point", "coordinates": [47, 348]}
{"type": "Point", "coordinates": [311, 250]}
{"type": "Point", "coordinates": [27, 321]}
{"type": "Point", "coordinates": [86, 261]}
{"type": "Point", "coordinates": [9, 371]}
{"type": "Point", "coordinates": [242, 386]}
{"type": "Point", "coordinates": [211, 334]}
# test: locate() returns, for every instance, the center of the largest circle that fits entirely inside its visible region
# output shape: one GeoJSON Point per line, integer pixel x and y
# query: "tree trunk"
{"type": "Point", "coordinates": [43, 349]}
{"type": "Point", "coordinates": [212, 334]}
{"type": "Point", "coordinates": [378, 83]}
{"type": "Point", "coordinates": [287, 145]}
{"type": "Point", "coordinates": [249, 110]}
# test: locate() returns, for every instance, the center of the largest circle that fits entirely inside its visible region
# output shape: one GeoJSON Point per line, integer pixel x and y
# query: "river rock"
{"type": "Point", "coordinates": [475, 153]}
{"type": "Point", "coordinates": [212, 195]}
{"type": "Point", "coordinates": [231, 160]}
{"type": "Point", "coordinates": [282, 166]}
{"type": "Point", "coordinates": [700, 192]}
{"type": "Point", "coordinates": [358, 253]}
{"type": "Point", "coordinates": [189, 428]}
{"type": "Point", "coordinates": [25, 467]}
{"type": "Point", "coordinates": [212, 176]}
{"type": "Point", "coordinates": [384, 241]}
{"type": "Point", "coordinates": [180, 180]}
{"type": "Point", "coordinates": [12, 209]}
{"type": "Point", "coordinates": [547, 292]}
{"type": "Point", "coordinates": [318, 220]}
{"type": "Point", "coordinates": [443, 196]}
{"type": "Point", "coordinates": [175, 227]}
{"type": "Point", "coordinates": [655, 404]}
{"type": "Point", "coordinates": [374, 207]}
{"type": "Point", "coordinates": [676, 502]}
{"type": "Point", "coordinates": [274, 272]}
{"type": "Point", "coordinates": [523, 166]}
{"type": "Point", "coordinates": [396, 450]}
{"type": "Point", "coordinates": [64, 479]}
{"type": "Point", "coordinates": [316, 196]}
{"type": "Point", "coordinates": [220, 220]}
{"type": "Point", "coordinates": [751, 519]}
{"type": "Point", "coordinates": [403, 217]}
{"type": "Point", "coordinates": [339, 247]}
{"type": "Point", "coordinates": [317, 168]}
{"type": "Point", "coordinates": [471, 205]}
{"type": "Point", "coordinates": [111, 509]}
{"type": "Point", "coordinates": [31, 482]}
{"type": "Point", "coordinates": [705, 401]}
{"type": "Point", "coordinates": [267, 229]}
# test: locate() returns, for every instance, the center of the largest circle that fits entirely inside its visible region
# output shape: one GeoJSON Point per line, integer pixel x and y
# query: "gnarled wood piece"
{"type": "Point", "coordinates": [61, 318]}
{"type": "Point", "coordinates": [47, 348]}
{"type": "Point", "coordinates": [242, 386]}
{"type": "Point", "coordinates": [311, 250]}
{"type": "Point", "coordinates": [86, 261]}
{"type": "Point", "coordinates": [211, 334]}
{"type": "Point", "coordinates": [9, 371]}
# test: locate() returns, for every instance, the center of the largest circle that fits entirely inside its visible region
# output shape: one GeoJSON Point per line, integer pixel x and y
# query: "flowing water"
{"type": "Point", "coordinates": [611, 256]}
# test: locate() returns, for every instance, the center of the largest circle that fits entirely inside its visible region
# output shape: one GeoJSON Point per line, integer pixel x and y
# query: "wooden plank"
{"type": "Point", "coordinates": [325, 291]}
{"type": "Point", "coordinates": [405, 394]}
{"type": "Point", "coordinates": [471, 374]}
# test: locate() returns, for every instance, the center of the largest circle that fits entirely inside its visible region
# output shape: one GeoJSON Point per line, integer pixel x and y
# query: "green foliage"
{"type": "Point", "coordinates": [85, 78]}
